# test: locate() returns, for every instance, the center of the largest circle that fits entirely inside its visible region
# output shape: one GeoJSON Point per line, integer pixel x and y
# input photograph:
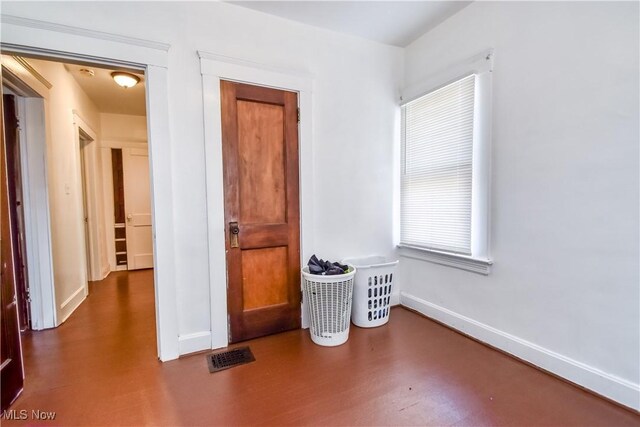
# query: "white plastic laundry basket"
{"type": "Point", "coordinates": [372, 290]}
{"type": "Point", "coordinates": [329, 300]}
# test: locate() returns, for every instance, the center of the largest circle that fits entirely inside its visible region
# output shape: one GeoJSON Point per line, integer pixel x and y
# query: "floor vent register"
{"type": "Point", "coordinates": [229, 359]}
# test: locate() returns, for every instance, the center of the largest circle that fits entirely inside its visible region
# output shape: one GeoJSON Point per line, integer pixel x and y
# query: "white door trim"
{"type": "Point", "coordinates": [60, 41]}
{"type": "Point", "coordinates": [96, 270]}
{"type": "Point", "coordinates": [214, 68]}
{"type": "Point", "coordinates": [32, 108]}
{"type": "Point", "coordinates": [83, 44]}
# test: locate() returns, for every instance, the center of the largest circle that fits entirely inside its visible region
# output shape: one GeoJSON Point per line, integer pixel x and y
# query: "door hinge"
{"type": "Point", "coordinates": [301, 296]}
{"type": "Point", "coordinates": [298, 115]}
{"type": "Point", "coordinates": [229, 327]}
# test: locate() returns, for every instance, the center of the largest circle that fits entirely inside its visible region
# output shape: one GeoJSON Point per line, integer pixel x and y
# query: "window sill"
{"type": "Point", "coordinates": [463, 262]}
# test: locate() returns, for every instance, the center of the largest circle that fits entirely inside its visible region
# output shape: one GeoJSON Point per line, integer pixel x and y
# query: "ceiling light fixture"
{"type": "Point", "coordinates": [126, 80]}
{"type": "Point", "coordinates": [88, 72]}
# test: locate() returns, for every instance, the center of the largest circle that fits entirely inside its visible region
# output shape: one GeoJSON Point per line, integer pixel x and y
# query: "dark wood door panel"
{"type": "Point", "coordinates": [11, 375]}
{"type": "Point", "coordinates": [260, 154]}
{"type": "Point", "coordinates": [261, 166]}
{"type": "Point", "coordinates": [264, 277]}
{"type": "Point", "coordinates": [263, 236]}
{"type": "Point", "coordinates": [16, 213]}
{"type": "Point", "coordinates": [268, 321]}
{"type": "Point", "coordinates": [260, 94]}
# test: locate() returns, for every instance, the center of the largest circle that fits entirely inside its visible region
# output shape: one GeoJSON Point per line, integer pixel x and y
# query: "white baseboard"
{"type": "Point", "coordinates": [68, 306]}
{"type": "Point", "coordinates": [198, 341]}
{"type": "Point", "coordinates": [618, 389]}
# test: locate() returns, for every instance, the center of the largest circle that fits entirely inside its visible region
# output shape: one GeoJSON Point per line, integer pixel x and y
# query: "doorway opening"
{"type": "Point", "coordinates": [65, 120]}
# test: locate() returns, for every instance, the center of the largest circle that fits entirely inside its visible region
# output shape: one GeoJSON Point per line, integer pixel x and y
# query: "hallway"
{"type": "Point", "coordinates": [100, 356]}
{"type": "Point", "coordinates": [100, 368]}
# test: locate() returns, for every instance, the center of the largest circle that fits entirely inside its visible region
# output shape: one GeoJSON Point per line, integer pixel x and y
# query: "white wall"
{"type": "Point", "coordinates": [65, 185]}
{"type": "Point", "coordinates": [118, 131]}
{"type": "Point", "coordinates": [123, 127]}
{"type": "Point", "coordinates": [354, 110]}
{"type": "Point", "coordinates": [564, 290]}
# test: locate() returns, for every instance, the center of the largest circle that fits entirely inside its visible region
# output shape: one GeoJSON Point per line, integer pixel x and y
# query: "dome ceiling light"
{"type": "Point", "coordinates": [126, 80]}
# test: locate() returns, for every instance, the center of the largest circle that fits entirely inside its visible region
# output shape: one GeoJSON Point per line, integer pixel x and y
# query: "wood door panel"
{"type": "Point", "coordinates": [264, 236]}
{"type": "Point", "coordinates": [260, 155]}
{"type": "Point", "coordinates": [264, 277]}
{"type": "Point", "coordinates": [261, 165]}
{"type": "Point", "coordinates": [260, 94]}
{"type": "Point", "coordinates": [269, 320]}
{"type": "Point", "coordinates": [118, 186]}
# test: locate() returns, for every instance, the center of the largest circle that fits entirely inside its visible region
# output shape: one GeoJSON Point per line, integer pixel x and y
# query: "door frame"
{"type": "Point", "coordinates": [96, 269]}
{"type": "Point", "coordinates": [32, 92]}
{"type": "Point", "coordinates": [214, 68]}
{"type": "Point", "coordinates": [106, 145]}
{"type": "Point", "coordinates": [55, 41]}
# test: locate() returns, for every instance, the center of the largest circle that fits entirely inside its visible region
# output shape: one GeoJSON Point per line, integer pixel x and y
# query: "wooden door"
{"type": "Point", "coordinates": [11, 375]}
{"type": "Point", "coordinates": [260, 154]}
{"type": "Point", "coordinates": [137, 204]}
{"type": "Point", "coordinates": [16, 212]}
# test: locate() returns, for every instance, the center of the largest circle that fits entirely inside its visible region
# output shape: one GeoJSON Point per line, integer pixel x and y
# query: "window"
{"type": "Point", "coordinates": [437, 168]}
{"type": "Point", "coordinates": [444, 185]}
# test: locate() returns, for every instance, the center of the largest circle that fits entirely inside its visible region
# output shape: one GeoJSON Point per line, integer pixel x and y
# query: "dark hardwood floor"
{"type": "Point", "coordinates": [100, 368]}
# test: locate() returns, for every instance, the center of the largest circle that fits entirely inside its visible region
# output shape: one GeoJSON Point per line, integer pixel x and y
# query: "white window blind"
{"type": "Point", "coordinates": [437, 155]}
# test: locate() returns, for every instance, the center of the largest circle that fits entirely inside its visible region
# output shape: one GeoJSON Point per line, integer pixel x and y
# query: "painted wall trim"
{"type": "Point", "coordinates": [24, 35]}
{"type": "Point", "coordinates": [214, 68]}
{"type": "Point", "coordinates": [20, 60]}
{"type": "Point", "coordinates": [212, 64]}
{"type": "Point", "coordinates": [32, 101]}
{"type": "Point", "coordinates": [70, 305]}
{"type": "Point", "coordinates": [73, 295]}
{"type": "Point", "coordinates": [476, 265]}
{"type": "Point", "coordinates": [93, 186]}
{"type": "Point", "coordinates": [16, 73]}
{"type": "Point", "coordinates": [60, 28]}
{"type": "Point", "coordinates": [161, 170]}
{"type": "Point", "coordinates": [610, 386]}
{"type": "Point", "coordinates": [197, 341]}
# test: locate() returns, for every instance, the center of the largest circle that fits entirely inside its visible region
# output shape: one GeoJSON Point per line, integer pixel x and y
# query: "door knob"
{"type": "Point", "coordinates": [233, 238]}
{"type": "Point", "coordinates": [233, 227]}
{"type": "Point", "coordinates": [129, 217]}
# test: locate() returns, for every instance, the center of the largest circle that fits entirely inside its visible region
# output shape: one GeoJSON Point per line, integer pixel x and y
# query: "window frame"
{"type": "Point", "coordinates": [479, 261]}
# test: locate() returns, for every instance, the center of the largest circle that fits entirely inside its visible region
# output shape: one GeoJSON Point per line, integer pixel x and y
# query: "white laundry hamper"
{"type": "Point", "coordinates": [372, 290]}
{"type": "Point", "coordinates": [329, 301]}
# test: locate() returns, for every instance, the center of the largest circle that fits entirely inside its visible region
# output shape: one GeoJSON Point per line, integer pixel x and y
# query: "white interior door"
{"type": "Point", "coordinates": [137, 203]}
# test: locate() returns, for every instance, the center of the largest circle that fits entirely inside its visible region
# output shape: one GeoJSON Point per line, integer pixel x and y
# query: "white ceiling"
{"type": "Point", "coordinates": [106, 94]}
{"type": "Point", "coordinates": [396, 23]}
